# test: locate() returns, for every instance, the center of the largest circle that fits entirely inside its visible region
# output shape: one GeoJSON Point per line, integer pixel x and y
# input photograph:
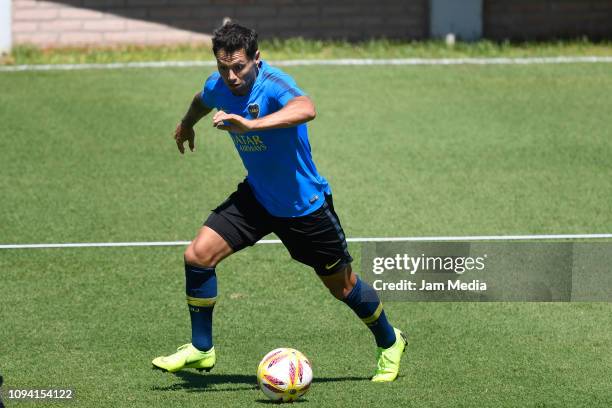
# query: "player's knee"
{"type": "Point", "coordinates": [341, 284]}
{"type": "Point", "coordinates": [338, 292]}
{"type": "Point", "coordinates": [200, 255]}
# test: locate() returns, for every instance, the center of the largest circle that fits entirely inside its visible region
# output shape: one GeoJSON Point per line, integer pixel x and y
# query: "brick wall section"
{"type": "Point", "coordinates": [547, 19]}
{"type": "Point", "coordinates": [52, 24]}
{"type": "Point", "coordinates": [79, 22]}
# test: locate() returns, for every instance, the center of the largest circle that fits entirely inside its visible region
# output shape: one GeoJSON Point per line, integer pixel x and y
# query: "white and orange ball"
{"type": "Point", "coordinates": [284, 374]}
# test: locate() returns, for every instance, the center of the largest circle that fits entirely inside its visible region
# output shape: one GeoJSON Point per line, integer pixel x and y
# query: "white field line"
{"type": "Point", "coordinates": [276, 241]}
{"type": "Point", "coordinates": [340, 62]}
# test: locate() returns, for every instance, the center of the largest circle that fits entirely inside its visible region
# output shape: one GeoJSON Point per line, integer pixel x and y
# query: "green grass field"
{"type": "Point", "coordinates": [297, 48]}
{"type": "Point", "coordinates": [87, 156]}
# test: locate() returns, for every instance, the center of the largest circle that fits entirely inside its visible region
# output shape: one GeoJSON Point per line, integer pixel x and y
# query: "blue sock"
{"type": "Point", "coordinates": [365, 303]}
{"type": "Point", "coordinates": [201, 288]}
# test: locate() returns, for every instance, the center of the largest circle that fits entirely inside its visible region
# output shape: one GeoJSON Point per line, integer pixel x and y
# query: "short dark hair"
{"type": "Point", "coordinates": [233, 37]}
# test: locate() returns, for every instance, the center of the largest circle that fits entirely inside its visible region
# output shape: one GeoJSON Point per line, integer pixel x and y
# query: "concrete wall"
{"type": "Point", "coordinates": [6, 23]}
{"type": "Point", "coordinates": [547, 19]}
{"type": "Point", "coordinates": [76, 22]}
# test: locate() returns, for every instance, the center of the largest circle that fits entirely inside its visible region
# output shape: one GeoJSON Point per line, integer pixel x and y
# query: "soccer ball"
{"type": "Point", "coordinates": [284, 374]}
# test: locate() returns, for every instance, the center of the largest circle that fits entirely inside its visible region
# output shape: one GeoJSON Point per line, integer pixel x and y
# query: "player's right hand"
{"type": "Point", "coordinates": [183, 133]}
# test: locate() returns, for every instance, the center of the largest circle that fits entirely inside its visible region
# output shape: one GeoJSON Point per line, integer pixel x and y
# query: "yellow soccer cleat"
{"type": "Point", "coordinates": [388, 364]}
{"type": "Point", "coordinates": [186, 356]}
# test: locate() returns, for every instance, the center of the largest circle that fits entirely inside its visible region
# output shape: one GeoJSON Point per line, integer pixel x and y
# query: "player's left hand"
{"type": "Point", "coordinates": [231, 122]}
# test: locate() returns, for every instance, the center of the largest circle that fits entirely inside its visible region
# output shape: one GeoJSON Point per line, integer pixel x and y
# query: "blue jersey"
{"type": "Point", "coordinates": [279, 163]}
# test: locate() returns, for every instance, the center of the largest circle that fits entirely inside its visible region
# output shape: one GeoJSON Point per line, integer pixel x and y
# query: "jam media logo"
{"type": "Point", "coordinates": [254, 110]}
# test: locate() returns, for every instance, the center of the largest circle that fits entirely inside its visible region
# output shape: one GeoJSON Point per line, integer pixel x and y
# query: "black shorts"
{"type": "Point", "coordinates": [315, 239]}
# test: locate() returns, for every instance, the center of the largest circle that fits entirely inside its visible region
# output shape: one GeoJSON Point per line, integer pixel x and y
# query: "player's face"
{"type": "Point", "coordinates": [237, 70]}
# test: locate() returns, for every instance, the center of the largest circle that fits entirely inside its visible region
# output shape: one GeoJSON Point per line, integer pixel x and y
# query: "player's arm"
{"type": "Point", "coordinates": [297, 111]}
{"type": "Point", "coordinates": [184, 130]}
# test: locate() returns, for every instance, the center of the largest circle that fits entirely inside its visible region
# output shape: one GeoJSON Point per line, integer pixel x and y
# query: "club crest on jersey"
{"type": "Point", "coordinates": [254, 110]}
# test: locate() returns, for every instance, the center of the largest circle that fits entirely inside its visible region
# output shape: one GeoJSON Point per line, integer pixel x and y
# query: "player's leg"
{"type": "Point", "coordinates": [207, 249]}
{"type": "Point", "coordinates": [346, 286]}
{"type": "Point", "coordinates": [237, 223]}
{"type": "Point", "coordinates": [319, 241]}
{"type": "Point", "coordinates": [201, 257]}
{"type": "Point", "coordinates": [341, 282]}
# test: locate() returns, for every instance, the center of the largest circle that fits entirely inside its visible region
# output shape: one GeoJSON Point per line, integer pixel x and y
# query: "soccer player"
{"type": "Point", "coordinates": [265, 114]}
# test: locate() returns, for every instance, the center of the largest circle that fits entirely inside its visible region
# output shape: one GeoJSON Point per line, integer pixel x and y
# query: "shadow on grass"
{"type": "Point", "coordinates": [193, 382]}
{"type": "Point", "coordinates": [267, 401]}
